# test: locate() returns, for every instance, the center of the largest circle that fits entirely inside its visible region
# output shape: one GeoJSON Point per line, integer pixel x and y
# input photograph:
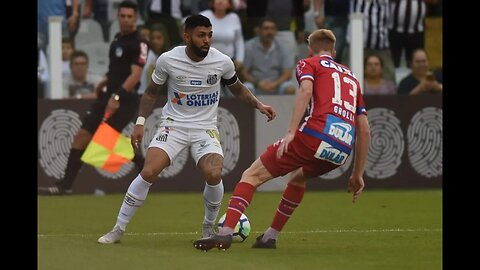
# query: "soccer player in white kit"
{"type": "Point", "coordinates": [193, 74]}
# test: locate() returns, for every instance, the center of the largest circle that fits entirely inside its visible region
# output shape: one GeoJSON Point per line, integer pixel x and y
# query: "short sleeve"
{"type": "Point", "coordinates": [229, 69]}
{"type": "Point", "coordinates": [304, 71]}
{"type": "Point", "coordinates": [139, 54]}
{"type": "Point", "coordinates": [361, 109]}
{"type": "Point", "coordinates": [160, 75]}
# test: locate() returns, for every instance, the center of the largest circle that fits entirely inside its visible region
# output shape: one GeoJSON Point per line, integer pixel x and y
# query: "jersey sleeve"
{"type": "Point", "coordinates": [229, 69]}
{"type": "Point", "coordinates": [361, 109]}
{"type": "Point", "coordinates": [160, 75]}
{"type": "Point", "coordinates": [139, 53]}
{"type": "Point", "coordinates": [304, 71]}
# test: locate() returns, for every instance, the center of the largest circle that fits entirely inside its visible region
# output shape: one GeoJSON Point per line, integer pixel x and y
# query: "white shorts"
{"type": "Point", "coordinates": [173, 140]}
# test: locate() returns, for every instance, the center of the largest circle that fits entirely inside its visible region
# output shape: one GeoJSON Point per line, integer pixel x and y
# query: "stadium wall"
{"type": "Point", "coordinates": [405, 152]}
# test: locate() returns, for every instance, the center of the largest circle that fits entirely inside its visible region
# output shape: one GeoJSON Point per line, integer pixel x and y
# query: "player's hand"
{"type": "Point", "coordinates": [355, 185]}
{"type": "Point", "coordinates": [137, 136]}
{"type": "Point", "coordinates": [268, 111]}
{"type": "Point", "coordinates": [283, 148]}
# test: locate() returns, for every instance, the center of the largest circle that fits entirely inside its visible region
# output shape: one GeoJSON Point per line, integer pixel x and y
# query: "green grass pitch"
{"type": "Point", "coordinates": [399, 229]}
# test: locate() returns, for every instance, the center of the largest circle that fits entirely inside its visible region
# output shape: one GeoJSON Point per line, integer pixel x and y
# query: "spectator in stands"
{"type": "Point", "coordinates": [421, 80]}
{"type": "Point", "coordinates": [406, 28]}
{"type": "Point", "coordinates": [288, 16]}
{"type": "Point", "coordinates": [159, 43]}
{"type": "Point", "coordinates": [302, 45]}
{"type": "Point", "coordinates": [99, 9]}
{"type": "Point", "coordinates": [334, 17]}
{"type": "Point", "coordinates": [168, 13]}
{"type": "Point", "coordinates": [375, 33]}
{"type": "Point", "coordinates": [67, 49]}
{"type": "Point", "coordinates": [228, 37]}
{"type": "Point", "coordinates": [73, 14]}
{"type": "Point", "coordinates": [375, 84]}
{"type": "Point", "coordinates": [80, 83]}
{"type": "Point", "coordinates": [42, 74]}
{"type": "Point", "coordinates": [267, 69]}
{"type": "Point", "coordinates": [144, 32]}
{"type": "Point", "coordinates": [49, 8]}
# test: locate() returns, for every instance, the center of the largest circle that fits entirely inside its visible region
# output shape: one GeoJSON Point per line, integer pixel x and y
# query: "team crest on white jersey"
{"type": "Point", "coordinates": [212, 79]}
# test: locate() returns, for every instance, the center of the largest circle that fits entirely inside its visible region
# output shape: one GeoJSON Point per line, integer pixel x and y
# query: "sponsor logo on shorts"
{"type": "Point", "coordinates": [329, 153]}
{"type": "Point", "coordinates": [164, 135]}
{"type": "Point", "coordinates": [339, 129]}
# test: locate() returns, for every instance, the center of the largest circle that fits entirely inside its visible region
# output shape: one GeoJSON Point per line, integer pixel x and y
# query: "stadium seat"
{"type": "Point", "coordinates": [89, 31]}
{"type": "Point", "coordinates": [98, 56]}
{"type": "Point", "coordinates": [114, 28]}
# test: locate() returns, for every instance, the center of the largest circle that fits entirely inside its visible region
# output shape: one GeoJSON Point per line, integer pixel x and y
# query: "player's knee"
{"type": "Point", "coordinates": [213, 177]}
{"type": "Point", "coordinates": [149, 174]}
{"type": "Point", "coordinates": [250, 177]}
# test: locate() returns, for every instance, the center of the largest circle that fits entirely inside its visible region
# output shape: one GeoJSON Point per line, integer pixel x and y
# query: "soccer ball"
{"type": "Point", "coordinates": [242, 229]}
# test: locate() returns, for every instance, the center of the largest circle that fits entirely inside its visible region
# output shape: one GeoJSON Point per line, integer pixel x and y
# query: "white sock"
{"type": "Point", "coordinates": [212, 198]}
{"type": "Point", "coordinates": [270, 233]}
{"type": "Point", "coordinates": [136, 194]}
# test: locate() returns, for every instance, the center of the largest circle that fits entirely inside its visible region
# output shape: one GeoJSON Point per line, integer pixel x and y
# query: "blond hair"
{"type": "Point", "coordinates": [322, 40]}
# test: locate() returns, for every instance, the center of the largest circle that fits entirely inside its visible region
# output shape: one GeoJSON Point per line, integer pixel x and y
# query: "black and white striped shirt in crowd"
{"type": "Point", "coordinates": [407, 16]}
{"type": "Point", "coordinates": [376, 14]}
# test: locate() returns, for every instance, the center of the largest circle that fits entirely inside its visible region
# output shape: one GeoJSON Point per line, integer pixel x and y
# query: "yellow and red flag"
{"type": "Point", "coordinates": [108, 150]}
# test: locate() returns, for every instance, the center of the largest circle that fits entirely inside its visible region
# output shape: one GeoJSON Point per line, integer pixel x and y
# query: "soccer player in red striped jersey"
{"type": "Point", "coordinates": [336, 123]}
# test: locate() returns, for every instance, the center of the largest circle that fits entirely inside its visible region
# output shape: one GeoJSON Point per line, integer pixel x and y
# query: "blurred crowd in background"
{"type": "Point", "coordinates": [264, 38]}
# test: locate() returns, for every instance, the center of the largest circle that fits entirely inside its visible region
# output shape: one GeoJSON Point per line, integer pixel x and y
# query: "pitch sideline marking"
{"type": "Point", "coordinates": [255, 232]}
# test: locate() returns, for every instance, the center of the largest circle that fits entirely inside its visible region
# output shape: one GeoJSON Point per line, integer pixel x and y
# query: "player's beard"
{"type": "Point", "coordinates": [198, 52]}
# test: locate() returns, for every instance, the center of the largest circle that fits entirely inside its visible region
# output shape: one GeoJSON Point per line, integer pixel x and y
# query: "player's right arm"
{"type": "Point", "coordinates": [148, 100]}
{"type": "Point", "coordinates": [304, 95]}
{"type": "Point", "coordinates": [362, 141]}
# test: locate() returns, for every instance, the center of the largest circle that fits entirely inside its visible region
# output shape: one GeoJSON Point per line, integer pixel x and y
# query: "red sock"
{"type": "Point", "coordinates": [241, 198]}
{"type": "Point", "coordinates": [292, 196]}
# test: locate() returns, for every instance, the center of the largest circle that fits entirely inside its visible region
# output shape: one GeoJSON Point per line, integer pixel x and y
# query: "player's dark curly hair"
{"type": "Point", "coordinates": [195, 21]}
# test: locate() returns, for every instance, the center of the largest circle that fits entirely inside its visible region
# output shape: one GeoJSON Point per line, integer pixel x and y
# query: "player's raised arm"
{"type": "Point", "coordinates": [241, 92]}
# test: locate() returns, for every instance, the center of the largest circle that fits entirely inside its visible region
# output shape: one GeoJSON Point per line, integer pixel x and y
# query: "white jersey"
{"type": "Point", "coordinates": [193, 87]}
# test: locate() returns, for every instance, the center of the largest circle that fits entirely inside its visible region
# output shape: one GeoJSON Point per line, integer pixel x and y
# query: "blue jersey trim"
{"type": "Point", "coordinates": [361, 110]}
{"type": "Point", "coordinates": [326, 138]}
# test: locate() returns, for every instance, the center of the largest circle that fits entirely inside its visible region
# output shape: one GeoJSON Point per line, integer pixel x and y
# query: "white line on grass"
{"type": "Point", "coordinates": [289, 232]}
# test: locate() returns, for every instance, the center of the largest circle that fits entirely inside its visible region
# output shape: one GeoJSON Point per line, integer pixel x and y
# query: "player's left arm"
{"type": "Point", "coordinates": [241, 92]}
{"type": "Point", "coordinates": [362, 143]}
